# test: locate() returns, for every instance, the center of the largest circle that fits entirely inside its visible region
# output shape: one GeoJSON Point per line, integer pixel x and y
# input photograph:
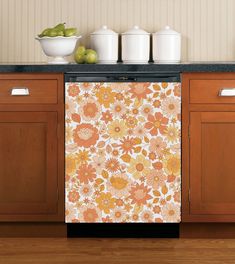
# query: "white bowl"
{"type": "Point", "coordinates": [58, 47]}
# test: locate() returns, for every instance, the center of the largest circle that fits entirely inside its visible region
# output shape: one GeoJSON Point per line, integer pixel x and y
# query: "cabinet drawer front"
{"type": "Point", "coordinates": [209, 91]}
{"type": "Point", "coordinates": [28, 91]}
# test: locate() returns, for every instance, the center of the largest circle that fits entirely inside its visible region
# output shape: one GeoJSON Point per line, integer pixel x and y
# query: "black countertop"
{"type": "Point", "coordinates": [119, 67]}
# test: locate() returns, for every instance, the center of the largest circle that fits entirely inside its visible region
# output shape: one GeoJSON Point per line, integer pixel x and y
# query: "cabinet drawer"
{"type": "Point", "coordinates": [209, 91]}
{"type": "Point", "coordinates": [28, 91]}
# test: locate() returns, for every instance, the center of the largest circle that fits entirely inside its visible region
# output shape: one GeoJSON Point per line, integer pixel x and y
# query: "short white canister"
{"type": "Point", "coordinates": [135, 46]}
{"type": "Point", "coordinates": [105, 42]}
{"type": "Point", "coordinates": [166, 46]}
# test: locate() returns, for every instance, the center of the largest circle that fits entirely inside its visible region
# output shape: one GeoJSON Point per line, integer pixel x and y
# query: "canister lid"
{"type": "Point", "coordinates": [167, 31]}
{"type": "Point", "coordinates": [136, 31]}
{"type": "Point", "coordinates": [104, 30]}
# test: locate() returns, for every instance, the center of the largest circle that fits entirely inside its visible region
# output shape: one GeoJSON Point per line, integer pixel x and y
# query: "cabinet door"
{"type": "Point", "coordinates": [28, 166]}
{"type": "Point", "coordinates": [212, 165]}
{"type": "Point", "coordinates": [123, 152]}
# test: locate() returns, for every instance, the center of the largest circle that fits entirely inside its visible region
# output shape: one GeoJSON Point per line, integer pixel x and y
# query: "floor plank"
{"type": "Point", "coordinates": [116, 251]}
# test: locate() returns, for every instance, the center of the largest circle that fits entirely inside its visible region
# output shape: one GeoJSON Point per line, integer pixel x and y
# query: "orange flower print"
{"type": "Point", "coordinates": [119, 87]}
{"type": "Point", "coordinates": [107, 117]}
{"type": "Point", "coordinates": [172, 134]}
{"type": "Point", "coordinates": [73, 196]}
{"type": "Point", "coordinates": [170, 213]}
{"type": "Point", "coordinates": [89, 110]}
{"type": "Point", "coordinates": [172, 164]}
{"type": "Point", "coordinates": [73, 90]}
{"type": "Point", "coordinates": [139, 90]}
{"type": "Point", "coordinates": [177, 197]}
{"type": "Point", "coordinates": [131, 122]}
{"type": "Point", "coordinates": [147, 216]}
{"type": "Point", "coordinates": [155, 179]}
{"type": "Point", "coordinates": [112, 165]}
{"type": "Point", "coordinates": [118, 215]}
{"type": "Point", "coordinates": [139, 194]}
{"type": "Point", "coordinates": [86, 173]}
{"type": "Point", "coordinates": [157, 145]}
{"type": "Point", "coordinates": [71, 164]}
{"type": "Point", "coordinates": [140, 131]}
{"type": "Point", "coordinates": [98, 163]}
{"type": "Point", "coordinates": [86, 86]}
{"type": "Point", "coordinates": [82, 157]}
{"type": "Point", "coordinates": [127, 145]}
{"type": "Point", "coordinates": [177, 90]}
{"type": "Point", "coordinates": [70, 107]}
{"type": "Point", "coordinates": [86, 190]}
{"type": "Point", "coordinates": [119, 96]}
{"type": "Point", "coordinates": [118, 109]}
{"type": "Point", "coordinates": [105, 96]}
{"type": "Point", "coordinates": [85, 135]}
{"type": "Point", "coordinates": [70, 212]}
{"type": "Point", "coordinates": [117, 129]}
{"type": "Point", "coordinates": [170, 106]}
{"type": "Point", "coordinates": [105, 202]}
{"type": "Point", "coordinates": [147, 109]}
{"type": "Point", "coordinates": [90, 214]}
{"type": "Point", "coordinates": [139, 166]}
{"type": "Point", "coordinates": [156, 124]}
{"type": "Point", "coordinates": [122, 152]}
{"type": "Point", "coordinates": [119, 185]}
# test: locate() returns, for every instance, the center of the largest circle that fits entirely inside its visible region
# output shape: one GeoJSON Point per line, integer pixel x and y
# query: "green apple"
{"type": "Point", "coordinates": [90, 56]}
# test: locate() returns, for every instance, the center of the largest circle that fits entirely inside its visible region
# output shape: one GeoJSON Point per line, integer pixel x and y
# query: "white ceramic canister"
{"type": "Point", "coordinates": [166, 46]}
{"type": "Point", "coordinates": [105, 42]}
{"type": "Point", "coordinates": [135, 46]}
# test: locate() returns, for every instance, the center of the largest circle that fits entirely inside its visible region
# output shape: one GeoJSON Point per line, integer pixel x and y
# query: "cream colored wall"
{"type": "Point", "coordinates": [207, 26]}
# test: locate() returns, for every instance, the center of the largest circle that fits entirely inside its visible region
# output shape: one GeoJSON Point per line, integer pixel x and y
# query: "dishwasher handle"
{"type": "Point", "coordinates": [122, 78]}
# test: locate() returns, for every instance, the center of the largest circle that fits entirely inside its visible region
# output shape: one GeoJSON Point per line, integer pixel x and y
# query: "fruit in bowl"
{"type": "Point", "coordinates": [58, 42]}
{"type": "Point", "coordinates": [83, 55]}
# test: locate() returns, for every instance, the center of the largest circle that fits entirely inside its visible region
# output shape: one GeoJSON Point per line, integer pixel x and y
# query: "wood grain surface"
{"type": "Point", "coordinates": [61, 250]}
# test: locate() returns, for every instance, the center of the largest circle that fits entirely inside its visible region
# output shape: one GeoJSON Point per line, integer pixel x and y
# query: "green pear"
{"type": "Point", "coordinates": [44, 32]}
{"type": "Point", "coordinates": [81, 50]}
{"type": "Point", "coordinates": [79, 55]}
{"type": "Point", "coordinates": [60, 27]}
{"type": "Point", "coordinates": [68, 32]}
{"type": "Point", "coordinates": [52, 33]}
{"type": "Point", "coordinates": [60, 33]}
{"type": "Point", "coordinates": [79, 58]}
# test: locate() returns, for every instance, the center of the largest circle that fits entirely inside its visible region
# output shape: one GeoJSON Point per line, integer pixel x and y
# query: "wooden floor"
{"type": "Point", "coordinates": [74, 250]}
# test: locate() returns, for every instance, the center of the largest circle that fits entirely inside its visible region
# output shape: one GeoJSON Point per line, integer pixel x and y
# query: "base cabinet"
{"type": "Point", "coordinates": [30, 175]}
{"type": "Point", "coordinates": [208, 149]}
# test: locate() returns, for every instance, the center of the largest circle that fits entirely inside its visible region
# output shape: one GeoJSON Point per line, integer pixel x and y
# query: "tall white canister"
{"type": "Point", "coordinates": [135, 46]}
{"type": "Point", "coordinates": [105, 42]}
{"type": "Point", "coordinates": [166, 46]}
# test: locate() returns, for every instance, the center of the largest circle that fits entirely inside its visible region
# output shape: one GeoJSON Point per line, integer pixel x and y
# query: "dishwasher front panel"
{"type": "Point", "coordinates": [123, 152]}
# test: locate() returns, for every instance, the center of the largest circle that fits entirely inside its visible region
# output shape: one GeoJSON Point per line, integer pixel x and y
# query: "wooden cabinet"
{"type": "Point", "coordinates": [208, 148]}
{"type": "Point", "coordinates": [31, 148]}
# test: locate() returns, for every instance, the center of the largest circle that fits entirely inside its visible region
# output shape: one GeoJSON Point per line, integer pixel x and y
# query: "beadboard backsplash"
{"type": "Point", "coordinates": [207, 26]}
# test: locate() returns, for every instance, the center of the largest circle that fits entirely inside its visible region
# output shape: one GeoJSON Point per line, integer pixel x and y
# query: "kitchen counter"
{"type": "Point", "coordinates": [119, 67]}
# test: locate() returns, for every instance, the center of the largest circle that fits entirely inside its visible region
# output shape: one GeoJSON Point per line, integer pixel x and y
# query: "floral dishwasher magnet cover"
{"type": "Point", "coordinates": [123, 152]}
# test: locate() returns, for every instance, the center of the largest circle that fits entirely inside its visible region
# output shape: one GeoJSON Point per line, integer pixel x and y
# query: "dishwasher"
{"type": "Point", "coordinates": [123, 147]}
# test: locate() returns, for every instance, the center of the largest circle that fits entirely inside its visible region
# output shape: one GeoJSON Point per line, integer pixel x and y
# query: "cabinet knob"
{"type": "Point", "coordinates": [23, 91]}
{"type": "Point", "coordinates": [227, 92]}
